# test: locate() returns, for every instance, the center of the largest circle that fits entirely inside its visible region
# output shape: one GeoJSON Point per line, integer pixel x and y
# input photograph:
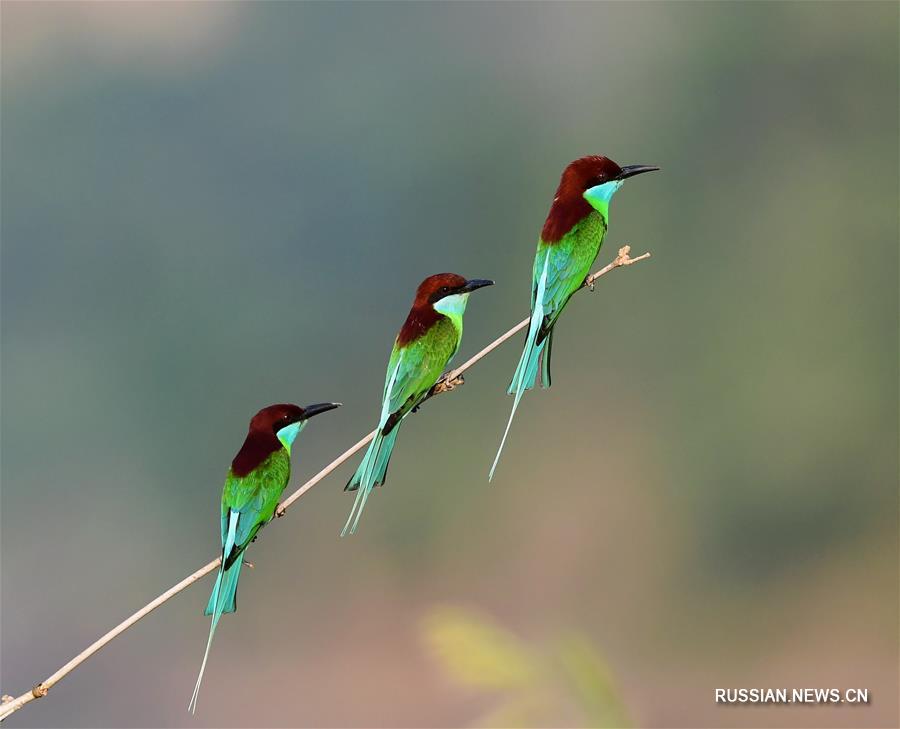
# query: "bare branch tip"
{"type": "Point", "coordinates": [623, 259]}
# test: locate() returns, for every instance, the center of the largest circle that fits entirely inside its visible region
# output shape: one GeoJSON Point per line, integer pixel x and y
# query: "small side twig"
{"type": "Point", "coordinates": [448, 382]}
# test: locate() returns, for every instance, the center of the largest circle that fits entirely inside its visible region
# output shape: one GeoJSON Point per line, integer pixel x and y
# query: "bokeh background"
{"type": "Point", "coordinates": [207, 208]}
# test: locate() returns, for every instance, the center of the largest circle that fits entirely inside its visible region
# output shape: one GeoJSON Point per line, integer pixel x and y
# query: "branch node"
{"type": "Point", "coordinates": [6, 698]}
{"type": "Point", "coordinates": [39, 691]}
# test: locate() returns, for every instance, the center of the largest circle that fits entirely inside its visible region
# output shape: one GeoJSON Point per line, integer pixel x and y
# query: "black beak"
{"type": "Point", "coordinates": [632, 170]}
{"type": "Point", "coordinates": [322, 407]}
{"type": "Point", "coordinates": [475, 283]}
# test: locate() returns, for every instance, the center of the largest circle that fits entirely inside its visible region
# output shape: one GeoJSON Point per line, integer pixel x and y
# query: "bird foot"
{"type": "Point", "coordinates": [279, 511]}
{"type": "Point", "coordinates": [447, 383]}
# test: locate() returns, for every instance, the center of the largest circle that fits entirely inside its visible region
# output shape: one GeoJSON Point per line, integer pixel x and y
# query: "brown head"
{"type": "Point", "coordinates": [594, 173]}
{"type": "Point", "coordinates": [427, 307]}
{"type": "Point", "coordinates": [272, 428]}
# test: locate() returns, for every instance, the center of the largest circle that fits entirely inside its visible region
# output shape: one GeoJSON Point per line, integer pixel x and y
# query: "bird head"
{"type": "Point", "coordinates": [447, 293]}
{"type": "Point", "coordinates": [587, 183]}
{"type": "Point", "coordinates": [285, 421]}
{"type": "Point", "coordinates": [597, 179]}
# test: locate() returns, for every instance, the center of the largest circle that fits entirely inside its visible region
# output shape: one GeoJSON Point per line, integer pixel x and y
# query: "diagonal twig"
{"type": "Point", "coordinates": [449, 381]}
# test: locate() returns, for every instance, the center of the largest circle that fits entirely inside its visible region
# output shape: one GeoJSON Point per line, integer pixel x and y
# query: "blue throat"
{"type": "Point", "coordinates": [453, 306]}
{"type": "Point", "coordinates": [600, 195]}
{"type": "Point", "coordinates": [289, 432]}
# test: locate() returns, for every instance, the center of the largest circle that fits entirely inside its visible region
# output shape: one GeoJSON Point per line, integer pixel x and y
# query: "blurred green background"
{"type": "Point", "coordinates": [200, 204]}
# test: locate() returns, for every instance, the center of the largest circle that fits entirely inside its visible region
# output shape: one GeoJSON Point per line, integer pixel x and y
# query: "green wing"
{"type": "Point", "coordinates": [566, 264]}
{"type": "Point", "coordinates": [254, 498]}
{"type": "Point", "coordinates": [413, 370]}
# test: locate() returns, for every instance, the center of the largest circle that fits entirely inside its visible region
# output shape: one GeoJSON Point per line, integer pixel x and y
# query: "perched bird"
{"type": "Point", "coordinates": [425, 344]}
{"type": "Point", "coordinates": [570, 241]}
{"type": "Point", "coordinates": [257, 477]}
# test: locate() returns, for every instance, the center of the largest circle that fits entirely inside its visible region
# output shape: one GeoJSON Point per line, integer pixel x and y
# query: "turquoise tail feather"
{"type": "Point", "coordinates": [371, 473]}
{"type": "Point", "coordinates": [535, 359]}
{"type": "Point", "coordinates": [221, 601]}
{"type": "Point", "coordinates": [226, 585]}
{"type": "Point", "coordinates": [533, 368]}
{"type": "Point", "coordinates": [547, 347]}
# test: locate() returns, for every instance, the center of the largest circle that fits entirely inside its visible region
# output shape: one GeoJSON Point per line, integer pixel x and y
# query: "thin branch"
{"type": "Point", "coordinates": [448, 382]}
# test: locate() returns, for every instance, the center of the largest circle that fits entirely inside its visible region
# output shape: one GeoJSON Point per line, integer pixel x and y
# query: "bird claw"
{"type": "Point", "coordinates": [279, 511]}
{"type": "Point", "coordinates": [447, 383]}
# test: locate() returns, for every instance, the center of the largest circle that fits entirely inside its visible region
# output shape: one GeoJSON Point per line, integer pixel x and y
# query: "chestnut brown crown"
{"type": "Point", "coordinates": [273, 418]}
{"type": "Point", "coordinates": [569, 205]}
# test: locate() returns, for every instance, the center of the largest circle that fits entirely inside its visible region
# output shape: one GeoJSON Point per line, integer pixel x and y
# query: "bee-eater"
{"type": "Point", "coordinates": [258, 475]}
{"type": "Point", "coordinates": [424, 346]}
{"type": "Point", "coordinates": [570, 241]}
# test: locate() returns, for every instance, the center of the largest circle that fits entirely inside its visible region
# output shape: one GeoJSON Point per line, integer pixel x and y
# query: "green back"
{"type": "Point", "coordinates": [255, 496]}
{"type": "Point", "coordinates": [413, 369]}
{"type": "Point", "coordinates": [567, 262]}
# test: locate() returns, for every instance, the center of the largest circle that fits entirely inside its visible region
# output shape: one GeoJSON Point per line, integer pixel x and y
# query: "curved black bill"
{"type": "Point", "coordinates": [632, 170]}
{"type": "Point", "coordinates": [318, 408]}
{"type": "Point", "coordinates": [475, 283]}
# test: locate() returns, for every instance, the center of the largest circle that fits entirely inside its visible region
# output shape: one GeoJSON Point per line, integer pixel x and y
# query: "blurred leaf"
{"type": "Point", "coordinates": [592, 682]}
{"type": "Point", "coordinates": [476, 652]}
{"type": "Point", "coordinates": [540, 687]}
{"type": "Point", "coordinates": [520, 711]}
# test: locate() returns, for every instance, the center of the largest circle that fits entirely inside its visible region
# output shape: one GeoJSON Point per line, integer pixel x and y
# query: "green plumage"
{"type": "Point", "coordinates": [255, 481]}
{"type": "Point", "coordinates": [559, 270]}
{"type": "Point", "coordinates": [248, 503]}
{"type": "Point", "coordinates": [569, 242]}
{"type": "Point", "coordinates": [254, 497]}
{"type": "Point", "coordinates": [567, 263]}
{"type": "Point", "coordinates": [418, 366]}
{"type": "Point", "coordinates": [412, 371]}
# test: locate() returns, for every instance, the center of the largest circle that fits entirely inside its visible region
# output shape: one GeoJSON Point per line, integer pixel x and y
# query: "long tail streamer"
{"type": "Point", "coordinates": [370, 473]}
{"type": "Point", "coordinates": [530, 363]}
{"type": "Point", "coordinates": [221, 601]}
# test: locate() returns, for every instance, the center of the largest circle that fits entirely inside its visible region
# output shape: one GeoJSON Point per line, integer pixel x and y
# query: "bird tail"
{"type": "Point", "coordinates": [221, 601]}
{"type": "Point", "coordinates": [226, 587]}
{"type": "Point", "coordinates": [371, 473]}
{"type": "Point", "coordinates": [533, 369]}
{"type": "Point", "coordinates": [534, 366]}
